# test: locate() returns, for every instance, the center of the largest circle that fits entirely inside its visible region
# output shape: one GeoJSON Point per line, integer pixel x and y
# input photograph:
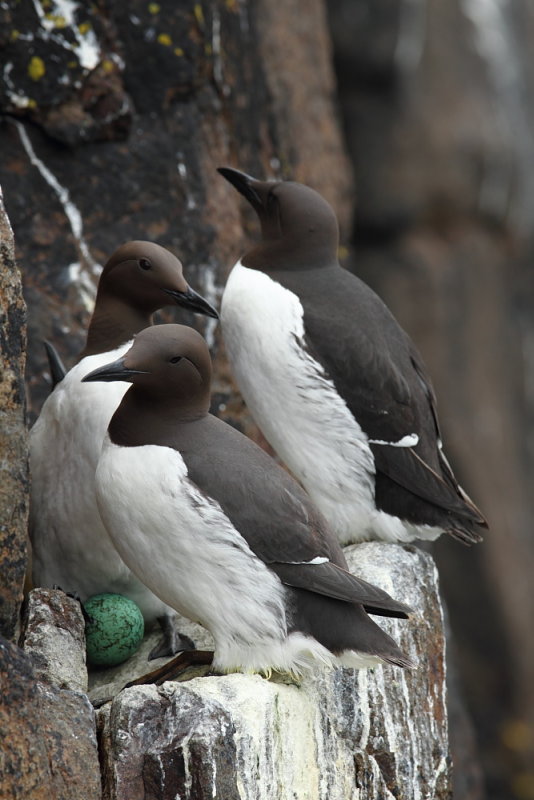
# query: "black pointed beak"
{"type": "Point", "coordinates": [193, 301]}
{"type": "Point", "coordinates": [116, 371]}
{"type": "Point", "coordinates": [244, 184]}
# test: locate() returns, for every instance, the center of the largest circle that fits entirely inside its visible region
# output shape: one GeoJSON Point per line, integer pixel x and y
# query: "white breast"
{"type": "Point", "coordinates": [70, 545]}
{"type": "Point", "coordinates": [298, 408]}
{"type": "Point", "coordinates": [189, 553]}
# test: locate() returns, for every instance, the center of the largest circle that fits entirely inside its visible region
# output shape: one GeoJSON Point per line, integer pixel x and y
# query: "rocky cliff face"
{"type": "Point", "coordinates": [13, 434]}
{"type": "Point", "coordinates": [49, 745]}
{"type": "Point", "coordinates": [374, 735]}
{"type": "Point", "coordinates": [132, 109]}
{"type": "Point", "coordinates": [115, 117]}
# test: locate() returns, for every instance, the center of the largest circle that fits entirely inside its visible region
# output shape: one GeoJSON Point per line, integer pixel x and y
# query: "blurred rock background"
{"type": "Point", "coordinates": [414, 119]}
{"type": "Point", "coordinates": [436, 105]}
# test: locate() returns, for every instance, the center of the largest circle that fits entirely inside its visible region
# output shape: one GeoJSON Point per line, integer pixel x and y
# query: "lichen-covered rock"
{"type": "Point", "coordinates": [13, 436]}
{"type": "Point", "coordinates": [374, 735]}
{"type": "Point", "coordinates": [53, 637]}
{"type": "Point", "coordinates": [60, 73]}
{"type": "Point", "coordinates": [150, 98]}
{"type": "Point", "coordinates": [49, 747]}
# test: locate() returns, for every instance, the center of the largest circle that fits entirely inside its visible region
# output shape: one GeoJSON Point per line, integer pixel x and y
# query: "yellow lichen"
{"type": "Point", "coordinates": [199, 14]}
{"type": "Point", "coordinates": [72, 64]}
{"type": "Point", "coordinates": [178, 51]}
{"type": "Point", "coordinates": [57, 19]}
{"type": "Point", "coordinates": [107, 65]}
{"type": "Point", "coordinates": [208, 49]}
{"type": "Point", "coordinates": [36, 68]}
{"type": "Point", "coordinates": [31, 103]}
{"type": "Point", "coordinates": [165, 39]}
{"type": "Point", "coordinates": [14, 35]}
{"type": "Point", "coordinates": [84, 27]}
{"type": "Point", "coordinates": [154, 8]}
{"type": "Point", "coordinates": [231, 5]}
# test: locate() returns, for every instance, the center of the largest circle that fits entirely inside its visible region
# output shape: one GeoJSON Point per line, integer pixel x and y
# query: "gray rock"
{"type": "Point", "coordinates": [337, 734]}
{"type": "Point", "coordinates": [166, 743]}
{"type": "Point", "coordinates": [54, 638]}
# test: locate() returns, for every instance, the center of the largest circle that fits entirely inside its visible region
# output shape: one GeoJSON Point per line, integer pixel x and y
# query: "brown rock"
{"type": "Point", "coordinates": [437, 105]}
{"type": "Point", "coordinates": [13, 436]}
{"type": "Point", "coordinates": [49, 745]}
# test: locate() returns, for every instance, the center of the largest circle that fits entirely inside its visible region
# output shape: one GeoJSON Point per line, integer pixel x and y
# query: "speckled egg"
{"type": "Point", "coordinates": [114, 631]}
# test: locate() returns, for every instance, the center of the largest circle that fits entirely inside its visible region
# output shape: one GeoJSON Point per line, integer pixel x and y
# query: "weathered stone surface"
{"type": "Point", "coordinates": [13, 436]}
{"type": "Point", "coordinates": [338, 734]}
{"type": "Point", "coordinates": [54, 638]}
{"type": "Point", "coordinates": [297, 43]}
{"type": "Point", "coordinates": [163, 743]}
{"type": "Point", "coordinates": [49, 747]}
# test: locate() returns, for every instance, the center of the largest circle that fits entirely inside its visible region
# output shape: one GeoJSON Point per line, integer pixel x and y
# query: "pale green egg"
{"type": "Point", "coordinates": [114, 631]}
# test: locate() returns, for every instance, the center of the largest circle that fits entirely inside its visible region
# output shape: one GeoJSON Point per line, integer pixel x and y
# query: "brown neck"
{"type": "Point", "coordinates": [161, 419]}
{"type": "Point", "coordinates": [113, 323]}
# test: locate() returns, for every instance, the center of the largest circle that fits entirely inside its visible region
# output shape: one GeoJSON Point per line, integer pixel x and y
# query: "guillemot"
{"type": "Point", "coordinates": [70, 545]}
{"type": "Point", "coordinates": [353, 412]}
{"type": "Point", "coordinates": [219, 531]}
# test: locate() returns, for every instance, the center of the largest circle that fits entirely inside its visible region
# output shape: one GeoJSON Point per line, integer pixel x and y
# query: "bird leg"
{"type": "Point", "coordinates": [174, 668]}
{"type": "Point", "coordinates": [172, 641]}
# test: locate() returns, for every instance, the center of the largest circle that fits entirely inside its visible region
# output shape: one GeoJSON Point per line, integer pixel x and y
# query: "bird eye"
{"type": "Point", "coordinates": [176, 359]}
{"type": "Point", "coordinates": [144, 263]}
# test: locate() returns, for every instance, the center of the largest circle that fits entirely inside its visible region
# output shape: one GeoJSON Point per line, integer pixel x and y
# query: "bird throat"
{"type": "Point", "coordinates": [113, 323]}
{"type": "Point", "coordinates": [164, 419]}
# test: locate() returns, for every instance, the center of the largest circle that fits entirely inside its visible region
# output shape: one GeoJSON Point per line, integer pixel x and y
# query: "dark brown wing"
{"type": "Point", "coordinates": [378, 372]}
{"type": "Point", "coordinates": [277, 518]}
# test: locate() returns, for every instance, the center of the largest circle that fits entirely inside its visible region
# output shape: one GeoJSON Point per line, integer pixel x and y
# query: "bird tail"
{"type": "Point", "coordinates": [345, 629]}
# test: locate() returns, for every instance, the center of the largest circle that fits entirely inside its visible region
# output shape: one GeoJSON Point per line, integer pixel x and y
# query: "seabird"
{"type": "Point", "coordinates": [71, 547]}
{"type": "Point", "coordinates": [219, 531]}
{"type": "Point", "coordinates": [335, 384]}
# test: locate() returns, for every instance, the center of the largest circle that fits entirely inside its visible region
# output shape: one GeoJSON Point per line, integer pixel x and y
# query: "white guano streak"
{"type": "Point", "coordinates": [212, 292]}
{"type": "Point", "coordinates": [71, 212]}
{"type": "Point", "coordinates": [86, 48]}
